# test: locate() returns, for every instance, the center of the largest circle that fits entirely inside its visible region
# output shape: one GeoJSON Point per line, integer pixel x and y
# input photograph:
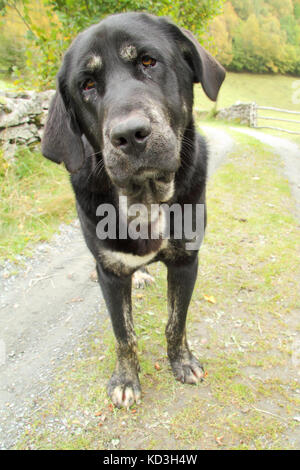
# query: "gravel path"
{"type": "Point", "coordinates": [45, 310]}
{"type": "Point", "coordinates": [220, 144]}
{"type": "Point", "coordinates": [49, 306]}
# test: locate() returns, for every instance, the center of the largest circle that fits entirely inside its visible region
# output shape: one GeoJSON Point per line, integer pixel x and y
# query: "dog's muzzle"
{"type": "Point", "coordinates": [150, 186]}
{"type": "Point", "coordinates": [141, 155]}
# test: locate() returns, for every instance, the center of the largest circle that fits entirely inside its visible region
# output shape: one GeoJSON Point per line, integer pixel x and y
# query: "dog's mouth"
{"type": "Point", "coordinates": [149, 187]}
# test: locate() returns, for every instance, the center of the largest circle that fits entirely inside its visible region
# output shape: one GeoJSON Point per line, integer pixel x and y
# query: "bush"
{"type": "Point", "coordinates": [12, 55]}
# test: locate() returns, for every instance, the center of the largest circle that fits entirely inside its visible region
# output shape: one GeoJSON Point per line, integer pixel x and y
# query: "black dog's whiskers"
{"type": "Point", "coordinates": [94, 154]}
{"type": "Point", "coordinates": [187, 146]}
{"type": "Point", "coordinates": [97, 169]}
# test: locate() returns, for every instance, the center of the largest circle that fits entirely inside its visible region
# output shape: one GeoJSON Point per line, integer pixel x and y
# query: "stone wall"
{"type": "Point", "coordinates": [242, 113]}
{"type": "Point", "coordinates": [22, 117]}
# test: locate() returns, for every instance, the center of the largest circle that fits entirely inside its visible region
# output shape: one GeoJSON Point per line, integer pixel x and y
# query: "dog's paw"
{"type": "Point", "coordinates": [188, 371]}
{"type": "Point", "coordinates": [94, 276]}
{"type": "Point", "coordinates": [141, 279]}
{"type": "Point", "coordinates": [124, 393]}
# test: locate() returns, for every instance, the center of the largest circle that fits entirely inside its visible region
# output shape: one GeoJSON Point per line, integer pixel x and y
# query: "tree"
{"type": "Point", "coordinates": [191, 14]}
{"type": "Point", "coordinates": [221, 44]}
{"type": "Point", "coordinates": [244, 8]}
{"type": "Point", "coordinates": [66, 18]}
{"type": "Point", "coordinates": [281, 8]}
{"type": "Point", "coordinates": [264, 35]}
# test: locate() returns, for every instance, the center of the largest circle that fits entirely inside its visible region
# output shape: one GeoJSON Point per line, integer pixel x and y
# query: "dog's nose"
{"type": "Point", "coordinates": [131, 134]}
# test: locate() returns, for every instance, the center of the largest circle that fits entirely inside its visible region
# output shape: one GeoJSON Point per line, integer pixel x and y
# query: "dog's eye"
{"type": "Point", "coordinates": [148, 61]}
{"type": "Point", "coordinates": [89, 85]}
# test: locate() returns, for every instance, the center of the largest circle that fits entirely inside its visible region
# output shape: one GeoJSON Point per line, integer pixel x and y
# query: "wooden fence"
{"type": "Point", "coordinates": [254, 117]}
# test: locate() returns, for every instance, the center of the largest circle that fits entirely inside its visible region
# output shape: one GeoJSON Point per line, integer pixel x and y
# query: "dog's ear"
{"type": "Point", "coordinates": [205, 67]}
{"type": "Point", "coordinates": [61, 140]}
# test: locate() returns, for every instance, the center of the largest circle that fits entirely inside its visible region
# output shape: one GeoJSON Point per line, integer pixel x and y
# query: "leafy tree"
{"type": "Point", "coordinates": [231, 18]}
{"type": "Point", "coordinates": [192, 14]}
{"type": "Point", "coordinates": [221, 44]}
{"type": "Point", "coordinates": [244, 8]}
{"type": "Point", "coordinates": [291, 28]}
{"type": "Point", "coordinates": [281, 8]}
{"type": "Point", "coordinates": [297, 9]}
{"type": "Point", "coordinates": [66, 18]}
{"type": "Point", "coordinates": [258, 46]}
{"type": "Point", "coordinates": [12, 55]}
{"type": "Point", "coordinates": [264, 35]}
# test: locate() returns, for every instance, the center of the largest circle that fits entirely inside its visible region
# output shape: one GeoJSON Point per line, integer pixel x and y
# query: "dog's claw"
{"type": "Point", "coordinates": [124, 393]}
{"type": "Point", "coordinates": [141, 279]}
{"type": "Point", "coordinates": [188, 372]}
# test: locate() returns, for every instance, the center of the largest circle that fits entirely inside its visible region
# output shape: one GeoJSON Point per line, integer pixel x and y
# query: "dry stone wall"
{"type": "Point", "coordinates": [22, 117]}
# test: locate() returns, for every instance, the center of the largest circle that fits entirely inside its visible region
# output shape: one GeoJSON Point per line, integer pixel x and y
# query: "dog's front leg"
{"type": "Point", "coordinates": [124, 386]}
{"type": "Point", "coordinates": [181, 281]}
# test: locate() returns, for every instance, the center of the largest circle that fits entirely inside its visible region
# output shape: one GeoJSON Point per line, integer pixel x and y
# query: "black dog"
{"type": "Point", "coordinates": [121, 121]}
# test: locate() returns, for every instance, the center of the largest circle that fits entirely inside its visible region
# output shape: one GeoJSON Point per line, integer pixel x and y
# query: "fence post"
{"type": "Point", "coordinates": [253, 114]}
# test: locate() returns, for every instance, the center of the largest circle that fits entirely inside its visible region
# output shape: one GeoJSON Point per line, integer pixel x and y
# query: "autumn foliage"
{"type": "Point", "coordinates": [260, 36]}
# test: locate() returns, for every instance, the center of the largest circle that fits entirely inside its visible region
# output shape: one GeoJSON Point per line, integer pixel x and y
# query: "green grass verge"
{"type": "Point", "coordinates": [35, 197]}
{"type": "Point", "coordinates": [246, 339]}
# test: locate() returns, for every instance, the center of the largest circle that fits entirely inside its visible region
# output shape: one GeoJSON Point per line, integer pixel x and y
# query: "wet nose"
{"type": "Point", "coordinates": [131, 134]}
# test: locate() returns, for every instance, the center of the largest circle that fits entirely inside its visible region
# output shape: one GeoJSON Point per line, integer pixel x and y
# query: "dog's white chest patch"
{"type": "Point", "coordinates": [129, 260]}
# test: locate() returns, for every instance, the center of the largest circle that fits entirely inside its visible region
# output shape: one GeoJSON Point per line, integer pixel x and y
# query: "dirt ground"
{"type": "Point", "coordinates": [50, 305]}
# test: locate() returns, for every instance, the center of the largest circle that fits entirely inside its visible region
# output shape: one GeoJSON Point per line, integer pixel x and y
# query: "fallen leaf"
{"type": "Point", "coordinates": [99, 413]}
{"type": "Point", "coordinates": [139, 296]}
{"type": "Point", "coordinates": [209, 298]}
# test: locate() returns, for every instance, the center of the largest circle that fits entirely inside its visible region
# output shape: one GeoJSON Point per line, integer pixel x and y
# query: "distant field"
{"type": "Point", "coordinates": [266, 90]}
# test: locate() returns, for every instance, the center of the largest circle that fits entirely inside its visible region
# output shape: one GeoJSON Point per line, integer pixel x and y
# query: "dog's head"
{"type": "Point", "coordinates": [126, 84]}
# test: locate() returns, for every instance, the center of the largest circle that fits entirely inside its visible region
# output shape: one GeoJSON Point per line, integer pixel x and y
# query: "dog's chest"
{"type": "Point", "coordinates": [126, 263]}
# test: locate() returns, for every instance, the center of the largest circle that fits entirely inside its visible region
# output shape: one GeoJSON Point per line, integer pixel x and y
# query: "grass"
{"type": "Point", "coordinates": [246, 339]}
{"type": "Point", "coordinates": [7, 84]}
{"type": "Point", "coordinates": [27, 214]}
{"type": "Point", "coordinates": [266, 90]}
